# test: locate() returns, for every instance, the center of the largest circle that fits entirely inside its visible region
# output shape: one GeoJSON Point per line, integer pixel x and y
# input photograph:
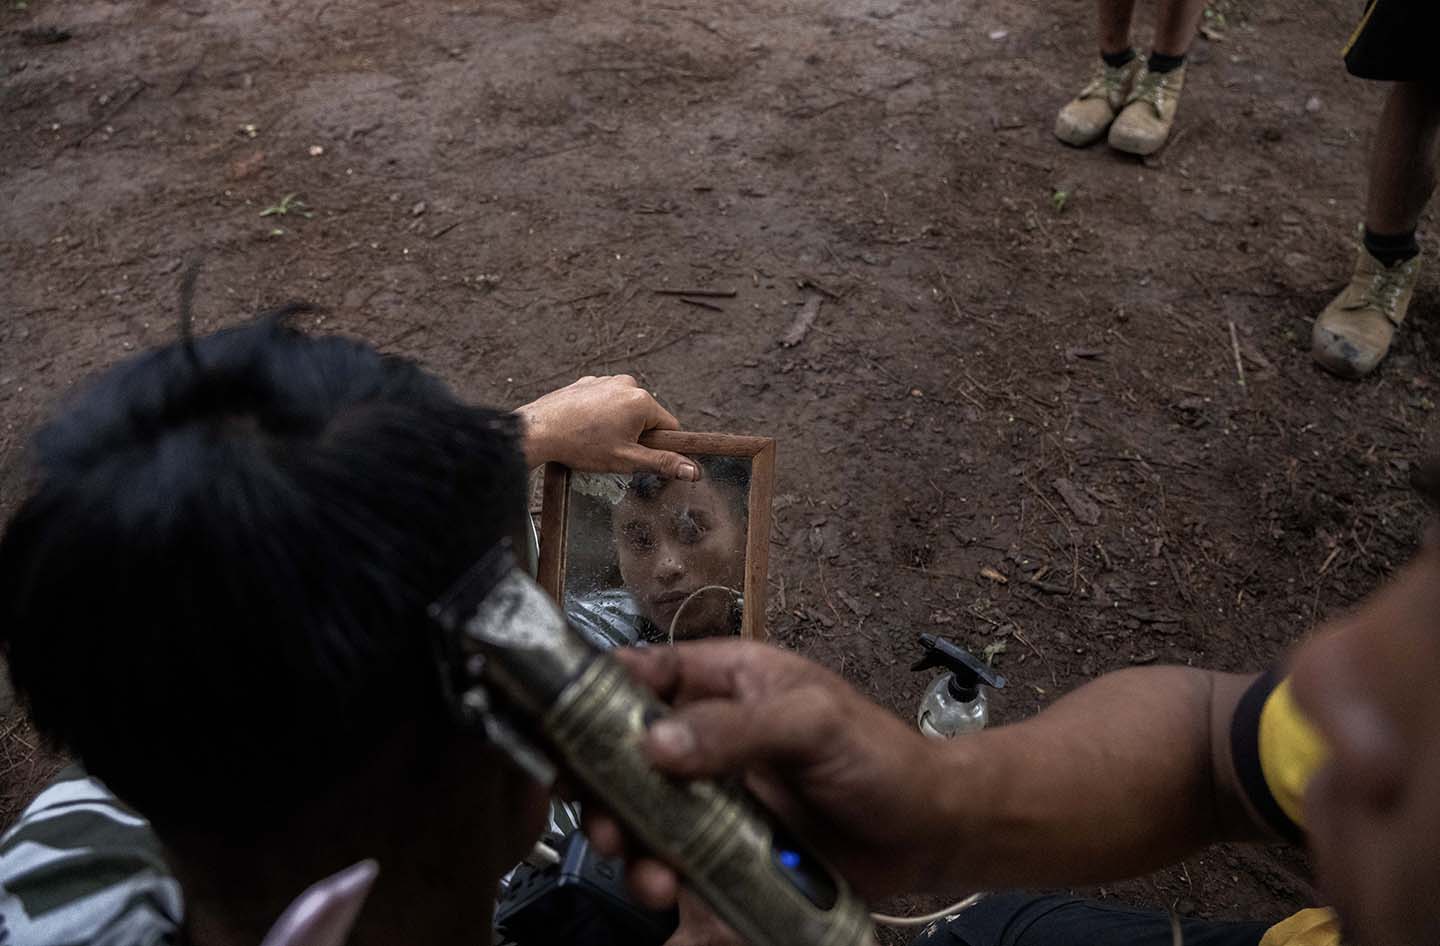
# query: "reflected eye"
{"type": "Point", "coordinates": [690, 528]}
{"type": "Point", "coordinates": [638, 538]}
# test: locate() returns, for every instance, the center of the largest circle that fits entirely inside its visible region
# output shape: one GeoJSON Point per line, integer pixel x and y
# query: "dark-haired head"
{"type": "Point", "coordinates": [215, 596]}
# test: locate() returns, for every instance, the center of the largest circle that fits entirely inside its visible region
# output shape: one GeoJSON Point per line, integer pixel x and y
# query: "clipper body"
{"type": "Point", "coordinates": [506, 639]}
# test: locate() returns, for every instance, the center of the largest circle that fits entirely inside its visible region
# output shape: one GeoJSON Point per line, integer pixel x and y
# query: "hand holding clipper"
{"type": "Point", "coordinates": [505, 643]}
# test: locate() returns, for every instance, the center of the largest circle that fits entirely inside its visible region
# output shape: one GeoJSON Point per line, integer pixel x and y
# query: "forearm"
{"type": "Point", "coordinates": [534, 439]}
{"type": "Point", "coordinates": [1118, 778]}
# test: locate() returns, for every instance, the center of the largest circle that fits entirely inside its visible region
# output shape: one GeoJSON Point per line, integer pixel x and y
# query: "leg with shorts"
{"type": "Point", "coordinates": [1393, 44]}
{"type": "Point", "coordinates": [1019, 919]}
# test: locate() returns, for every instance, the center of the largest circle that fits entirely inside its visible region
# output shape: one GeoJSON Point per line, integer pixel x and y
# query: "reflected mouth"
{"type": "Point", "coordinates": [687, 613]}
{"type": "Point", "coordinates": [670, 597]}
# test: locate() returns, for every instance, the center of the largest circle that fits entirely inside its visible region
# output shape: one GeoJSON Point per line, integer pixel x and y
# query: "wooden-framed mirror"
{"type": "Point", "coordinates": [641, 558]}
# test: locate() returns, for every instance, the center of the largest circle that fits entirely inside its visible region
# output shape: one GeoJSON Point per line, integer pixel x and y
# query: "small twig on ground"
{"type": "Point", "coordinates": [441, 231]}
{"type": "Point", "coordinates": [829, 249]}
{"type": "Point", "coordinates": [1104, 556]}
{"type": "Point", "coordinates": [1328, 559]}
{"type": "Point", "coordinates": [1064, 523]}
{"type": "Point", "coordinates": [1015, 633]}
{"type": "Point", "coordinates": [1239, 364]}
{"type": "Point", "coordinates": [955, 386]}
{"type": "Point", "coordinates": [597, 362]}
{"type": "Point", "coordinates": [701, 304]}
{"type": "Point", "coordinates": [190, 73]}
{"type": "Point", "coordinates": [808, 282]}
{"type": "Point", "coordinates": [986, 618]}
{"type": "Point", "coordinates": [1020, 590]}
{"type": "Point", "coordinates": [885, 371]}
{"type": "Point", "coordinates": [702, 293]}
{"type": "Point", "coordinates": [1085, 510]}
{"type": "Point", "coordinates": [1180, 585]}
{"type": "Point", "coordinates": [811, 111]}
{"type": "Point", "coordinates": [950, 295]}
{"type": "Point", "coordinates": [825, 590]}
{"type": "Point", "coordinates": [121, 99]}
{"type": "Point", "coordinates": [988, 392]}
{"type": "Point", "coordinates": [15, 765]}
{"type": "Point", "coordinates": [651, 350]}
{"type": "Point", "coordinates": [586, 297]}
{"type": "Point", "coordinates": [936, 574]}
{"type": "Point", "coordinates": [1075, 566]}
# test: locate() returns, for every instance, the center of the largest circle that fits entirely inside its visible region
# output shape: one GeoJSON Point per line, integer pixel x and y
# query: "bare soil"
{"type": "Point", "coordinates": [998, 377]}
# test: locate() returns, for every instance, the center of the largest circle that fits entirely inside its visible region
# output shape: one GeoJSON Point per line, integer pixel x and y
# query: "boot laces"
{"type": "Point", "coordinates": [1108, 83]}
{"type": "Point", "coordinates": [1152, 88]}
{"type": "Point", "coordinates": [1385, 288]}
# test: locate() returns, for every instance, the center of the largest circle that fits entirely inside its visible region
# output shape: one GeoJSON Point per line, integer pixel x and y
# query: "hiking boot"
{"type": "Point", "coordinates": [1356, 328]}
{"type": "Point", "coordinates": [1084, 118]}
{"type": "Point", "coordinates": [1144, 123]}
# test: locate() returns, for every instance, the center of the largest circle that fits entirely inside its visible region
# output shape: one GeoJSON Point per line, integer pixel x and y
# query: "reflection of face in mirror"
{"type": "Point", "coordinates": [681, 548]}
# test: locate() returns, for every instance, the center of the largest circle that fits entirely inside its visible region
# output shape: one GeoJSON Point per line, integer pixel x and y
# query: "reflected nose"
{"type": "Point", "coordinates": [669, 566]}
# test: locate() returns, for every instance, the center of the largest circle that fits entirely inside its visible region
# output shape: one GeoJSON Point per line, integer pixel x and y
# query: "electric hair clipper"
{"type": "Point", "coordinates": [507, 649]}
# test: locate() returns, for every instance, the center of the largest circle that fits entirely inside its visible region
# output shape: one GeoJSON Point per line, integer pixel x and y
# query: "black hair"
{"type": "Point", "coordinates": [215, 595]}
{"type": "Point", "coordinates": [731, 473]}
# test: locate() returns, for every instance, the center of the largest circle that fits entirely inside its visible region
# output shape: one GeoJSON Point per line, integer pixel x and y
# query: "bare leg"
{"type": "Point", "coordinates": [1115, 16]}
{"type": "Point", "coordinates": [1179, 19]}
{"type": "Point", "coordinates": [1402, 160]}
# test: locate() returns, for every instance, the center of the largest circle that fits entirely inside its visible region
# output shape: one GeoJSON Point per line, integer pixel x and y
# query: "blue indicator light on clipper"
{"type": "Point", "coordinates": [806, 874]}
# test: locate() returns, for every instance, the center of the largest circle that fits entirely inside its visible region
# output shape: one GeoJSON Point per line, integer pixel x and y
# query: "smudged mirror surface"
{"type": "Point", "coordinates": [653, 559]}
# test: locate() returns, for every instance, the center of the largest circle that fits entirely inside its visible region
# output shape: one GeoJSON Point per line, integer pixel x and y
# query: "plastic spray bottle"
{"type": "Point", "coordinates": [956, 702]}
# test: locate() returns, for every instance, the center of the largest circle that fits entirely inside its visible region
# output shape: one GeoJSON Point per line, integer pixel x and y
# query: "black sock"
{"type": "Point", "coordinates": [1159, 62]}
{"type": "Point", "coordinates": [1116, 60]}
{"type": "Point", "coordinates": [1391, 248]}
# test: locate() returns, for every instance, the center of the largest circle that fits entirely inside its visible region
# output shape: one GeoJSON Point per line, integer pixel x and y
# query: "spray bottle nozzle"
{"type": "Point", "coordinates": [966, 672]}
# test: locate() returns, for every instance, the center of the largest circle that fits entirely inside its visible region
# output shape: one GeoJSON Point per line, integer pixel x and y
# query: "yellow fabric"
{"type": "Point", "coordinates": [1315, 927]}
{"type": "Point", "coordinates": [1291, 751]}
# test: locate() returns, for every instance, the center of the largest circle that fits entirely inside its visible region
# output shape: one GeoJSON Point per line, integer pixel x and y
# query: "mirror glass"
{"type": "Point", "coordinates": [655, 560]}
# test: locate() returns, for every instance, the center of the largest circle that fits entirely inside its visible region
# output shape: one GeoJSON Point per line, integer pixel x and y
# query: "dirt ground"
{"type": "Point", "coordinates": [1025, 357]}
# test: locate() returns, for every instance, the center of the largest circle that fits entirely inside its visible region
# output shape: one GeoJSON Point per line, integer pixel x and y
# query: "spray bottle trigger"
{"type": "Point", "coordinates": [968, 672]}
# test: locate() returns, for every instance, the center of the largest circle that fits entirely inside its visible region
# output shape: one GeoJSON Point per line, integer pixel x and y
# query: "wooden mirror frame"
{"type": "Point", "coordinates": [760, 451]}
